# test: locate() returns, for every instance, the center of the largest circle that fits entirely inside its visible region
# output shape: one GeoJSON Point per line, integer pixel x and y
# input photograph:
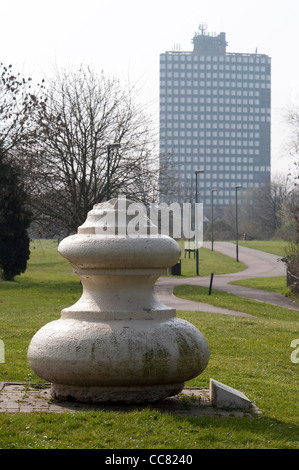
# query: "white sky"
{"type": "Point", "coordinates": [125, 37]}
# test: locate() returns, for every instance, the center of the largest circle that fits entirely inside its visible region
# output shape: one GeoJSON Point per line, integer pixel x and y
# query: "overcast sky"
{"type": "Point", "coordinates": [125, 37]}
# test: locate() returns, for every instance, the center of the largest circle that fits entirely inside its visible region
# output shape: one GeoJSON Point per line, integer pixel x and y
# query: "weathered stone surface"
{"type": "Point", "coordinates": [124, 395]}
{"type": "Point", "coordinates": [118, 342]}
{"type": "Point", "coordinates": [223, 396]}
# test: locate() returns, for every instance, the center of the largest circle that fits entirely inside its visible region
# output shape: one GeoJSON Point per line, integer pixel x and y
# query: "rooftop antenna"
{"type": "Point", "coordinates": [176, 47]}
{"type": "Point", "coordinates": [202, 27]}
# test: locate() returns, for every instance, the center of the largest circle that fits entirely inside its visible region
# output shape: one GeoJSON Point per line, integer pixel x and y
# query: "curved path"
{"type": "Point", "coordinates": [259, 264]}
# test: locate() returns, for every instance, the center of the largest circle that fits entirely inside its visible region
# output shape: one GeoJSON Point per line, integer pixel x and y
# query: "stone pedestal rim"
{"type": "Point", "coordinates": [134, 394]}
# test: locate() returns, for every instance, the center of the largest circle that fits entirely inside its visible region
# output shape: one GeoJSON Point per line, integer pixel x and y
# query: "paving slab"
{"type": "Point", "coordinates": [36, 398]}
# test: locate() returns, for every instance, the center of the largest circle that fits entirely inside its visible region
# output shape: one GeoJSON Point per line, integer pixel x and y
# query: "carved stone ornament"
{"type": "Point", "coordinates": [118, 343]}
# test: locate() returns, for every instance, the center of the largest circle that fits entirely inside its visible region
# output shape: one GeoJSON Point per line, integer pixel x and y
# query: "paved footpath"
{"type": "Point", "coordinates": [259, 264]}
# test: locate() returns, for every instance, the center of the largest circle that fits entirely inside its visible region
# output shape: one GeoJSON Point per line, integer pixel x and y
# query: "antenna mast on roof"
{"type": "Point", "coordinates": [202, 27]}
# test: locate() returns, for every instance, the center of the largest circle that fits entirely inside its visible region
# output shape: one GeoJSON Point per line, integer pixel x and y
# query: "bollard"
{"type": "Point", "coordinates": [211, 283]}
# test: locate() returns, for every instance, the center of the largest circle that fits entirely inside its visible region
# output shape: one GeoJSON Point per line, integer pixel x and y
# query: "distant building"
{"type": "Point", "coordinates": [215, 115]}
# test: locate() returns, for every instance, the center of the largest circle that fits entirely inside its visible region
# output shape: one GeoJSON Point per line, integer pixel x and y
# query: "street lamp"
{"type": "Point", "coordinates": [238, 186]}
{"type": "Point", "coordinates": [197, 172]}
{"type": "Point", "coordinates": [109, 148]}
{"type": "Point", "coordinates": [213, 191]}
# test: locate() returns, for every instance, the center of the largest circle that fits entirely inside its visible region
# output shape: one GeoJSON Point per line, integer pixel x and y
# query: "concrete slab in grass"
{"type": "Point", "coordinates": [223, 396]}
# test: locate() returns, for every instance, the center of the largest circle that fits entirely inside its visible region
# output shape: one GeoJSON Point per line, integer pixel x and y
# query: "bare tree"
{"type": "Point", "coordinates": [263, 211]}
{"type": "Point", "coordinates": [84, 113]}
{"type": "Point", "coordinates": [170, 187]}
{"type": "Point", "coordinates": [292, 118]}
{"type": "Point", "coordinates": [18, 106]}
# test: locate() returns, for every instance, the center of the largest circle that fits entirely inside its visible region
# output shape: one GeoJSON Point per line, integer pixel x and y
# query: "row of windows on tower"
{"type": "Point", "coordinates": [238, 95]}
{"type": "Point", "coordinates": [216, 143]}
{"type": "Point", "coordinates": [217, 82]}
{"type": "Point", "coordinates": [216, 109]}
{"type": "Point", "coordinates": [210, 138]}
{"type": "Point", "coordinates": [228, 74]}
{"type": "Point", "coordinates": [226, 89]}
{"type": "Point", "coordinates": [208, 127]}
{"type": "Point", "coordinates": [214, 59]}
{"type": "Point", "coordinates": [210, 151]}
{"type": "Point", "coordinates": [225, 172]}
{"type": "Point", "coordinates": [208, 105]}
{"type": "Point", "coordinates": [202, 65]}
{"type": "Point", "coordinates": [254, 117]}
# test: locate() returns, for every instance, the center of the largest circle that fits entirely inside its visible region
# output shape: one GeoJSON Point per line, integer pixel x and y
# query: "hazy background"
{"type": "Point", "coordinates": [125, 37]}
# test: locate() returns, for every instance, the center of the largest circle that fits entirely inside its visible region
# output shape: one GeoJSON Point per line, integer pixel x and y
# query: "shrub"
{"type": "Point", "coordinates": [14, 221]}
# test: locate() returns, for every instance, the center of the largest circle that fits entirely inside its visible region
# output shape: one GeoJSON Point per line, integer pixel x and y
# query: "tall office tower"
{"type": "Point", "coordinates": [215, 116]}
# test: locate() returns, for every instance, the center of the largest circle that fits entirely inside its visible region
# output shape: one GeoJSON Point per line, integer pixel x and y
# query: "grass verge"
{"type": "Point", "coordinates": [272, 284]}
{"type": "Point", "coordinates": [276, 247]}
{"type": "Point", "coordinates": [209, 262]}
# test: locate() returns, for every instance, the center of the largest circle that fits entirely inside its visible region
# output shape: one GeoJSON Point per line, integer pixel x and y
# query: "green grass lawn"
{"type": "Point", "coordinates": [276, 247]}
{"type": "Point", "coordinates": [272, 284]}
{"type": "Point", "coordinates": [45, 257]}
{"type": "Point", "coordinates": [208, 262]}
{"type": "Point", "coordinates": [250, 354]}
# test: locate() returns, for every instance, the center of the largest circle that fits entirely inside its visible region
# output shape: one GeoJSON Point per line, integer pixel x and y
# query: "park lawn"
{"type": "Point", "coordinates": [208, 262]}
{"type": "Point", "coordinates": [272, 284]}
{"type": "Point", "coordinates": [276, 247]}
{"type": "Point", "coordinates": [250, 354]}
{"type": "Point", "coordinates": [44, 256]}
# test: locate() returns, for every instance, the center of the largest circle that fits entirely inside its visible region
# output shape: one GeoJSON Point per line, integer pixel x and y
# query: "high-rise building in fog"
{"type": "Point", "coordinates": [215, 115]}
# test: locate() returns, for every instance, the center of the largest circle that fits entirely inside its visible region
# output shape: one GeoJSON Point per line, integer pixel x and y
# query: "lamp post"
{"type": "Point", "coordinates": [213, 191]}
{"type": "Point", "coordinates": [238, 186]}
{"type": "Point", "coordinates": [109, 148]}
{"type": "Point", "coordinates": [197, 172]}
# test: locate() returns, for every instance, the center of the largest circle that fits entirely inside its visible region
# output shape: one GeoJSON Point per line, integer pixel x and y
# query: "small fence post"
{"type": "Point", "coordinates": [211, 282]}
